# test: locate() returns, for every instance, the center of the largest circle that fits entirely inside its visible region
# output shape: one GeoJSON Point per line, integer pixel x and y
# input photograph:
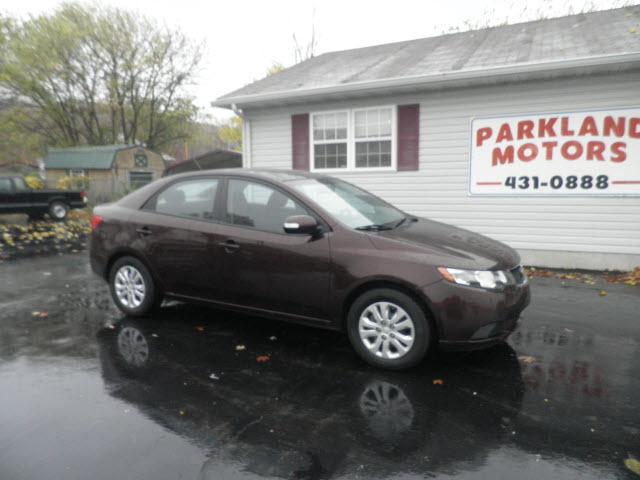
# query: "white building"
{"type": "Point", "coordinates": [528, 133]}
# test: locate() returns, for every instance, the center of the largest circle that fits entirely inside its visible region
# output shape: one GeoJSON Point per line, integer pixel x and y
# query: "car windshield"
{"type": "Point", "coordinates": [350, 205]}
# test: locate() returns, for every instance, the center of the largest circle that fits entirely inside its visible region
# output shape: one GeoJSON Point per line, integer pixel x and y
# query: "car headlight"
{"type": "Point", "coordinates": [476, 278]}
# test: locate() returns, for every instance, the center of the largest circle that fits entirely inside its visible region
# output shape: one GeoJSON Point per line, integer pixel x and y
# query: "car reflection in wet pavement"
{"type": "Point", "coordinates": [86, 393]}
{"type": "Point", "coordinates": [313, 408]}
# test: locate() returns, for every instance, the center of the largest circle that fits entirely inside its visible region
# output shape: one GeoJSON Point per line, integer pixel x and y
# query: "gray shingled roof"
{"type": "Point", "coordinates": [583, 36]}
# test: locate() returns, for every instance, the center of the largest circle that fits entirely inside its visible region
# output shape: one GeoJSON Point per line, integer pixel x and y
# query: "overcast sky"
{"type": "Point", "coordinates": [245, 37]}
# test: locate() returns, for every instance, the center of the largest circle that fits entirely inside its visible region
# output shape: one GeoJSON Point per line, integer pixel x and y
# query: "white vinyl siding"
{"type": "Point", "coordinates": [602, 232]}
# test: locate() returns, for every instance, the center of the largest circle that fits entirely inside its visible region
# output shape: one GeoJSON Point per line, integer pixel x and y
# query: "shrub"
{"type": "Point", "coordinates": [73, 183]}
{"type": "Point", "coordinates": [34, 182]}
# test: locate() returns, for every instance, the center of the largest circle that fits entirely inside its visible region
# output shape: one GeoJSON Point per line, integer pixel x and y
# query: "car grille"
{"type": "Point", "coordinates": [518, 275]}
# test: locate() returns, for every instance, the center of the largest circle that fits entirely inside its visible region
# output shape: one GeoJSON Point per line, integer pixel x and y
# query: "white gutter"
{"type": "Point", "coordinates": [434, 79]}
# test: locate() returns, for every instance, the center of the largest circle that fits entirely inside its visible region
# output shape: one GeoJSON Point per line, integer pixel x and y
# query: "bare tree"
{"type": "Point", "coordinates": [99, 75]}
{"type": "Point", "coordinates": [518, 11]}
{"type": "Point", "coordinates": [305, 51]}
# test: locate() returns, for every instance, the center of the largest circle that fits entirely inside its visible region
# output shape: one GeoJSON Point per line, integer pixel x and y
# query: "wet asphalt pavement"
{"type": "Point", "coordinates": [88, 394]}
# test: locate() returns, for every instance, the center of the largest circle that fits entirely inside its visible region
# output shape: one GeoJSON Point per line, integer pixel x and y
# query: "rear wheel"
{"type": "Point", "coordinates": [58, 210]}
{"type": "Point", "coordinates": [388, 329]}
{"type": "Point", "coordinates": [132, 287]}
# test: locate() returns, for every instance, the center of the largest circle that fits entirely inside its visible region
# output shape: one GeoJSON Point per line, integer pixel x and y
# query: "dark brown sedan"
{"type": "Point", "coordinates": [314, 250]}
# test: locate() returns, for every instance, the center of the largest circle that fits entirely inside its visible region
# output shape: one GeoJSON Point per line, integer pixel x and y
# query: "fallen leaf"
{"type": "Point", "coordinates": [527, 359]}
{"type": "Point", "coordinates": [633, 465]}
{"type": "Point", "coordinates": [213, 376]}
{"type": "Point", "coordinates": [603, 293]}
{"type": "Point", "coordinates": [438, 381]}
{"type": "Point", "coordinates": [200, 328]}
{"type": "Point", "coordinates": [273, 338]}
{"type": "Point", "coordinates": [262, 358]}
{"type": "Point", "coordinates": [43, 315]}
{"type": "Point", "coordinates": [240, 348]}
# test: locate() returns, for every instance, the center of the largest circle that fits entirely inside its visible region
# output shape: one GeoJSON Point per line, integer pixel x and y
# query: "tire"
{"type": "Point", "coordinates": [399, 353]}
{"type": "Point", "coordinates": [58, 210]}
{"type": "Point", "coordinates": [144, 295]}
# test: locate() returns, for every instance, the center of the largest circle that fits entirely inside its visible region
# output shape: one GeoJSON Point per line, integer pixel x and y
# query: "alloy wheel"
{"type": "Point", "coordinates": [58, 210]}
{"type": "Point", "coordinates": [129, 286]}
{"type": "Point", "coordinates": [386, 330]}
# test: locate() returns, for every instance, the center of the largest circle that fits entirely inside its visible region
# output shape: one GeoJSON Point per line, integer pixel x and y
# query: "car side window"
{"type": "Point", "coordinates": [20, 184]}
{"type": "Point", "coordinates": [191, 198]}
{"type": "Point", "coordinates": [259, 206]}
{"type": "Point", "coordinates": [5, 185]}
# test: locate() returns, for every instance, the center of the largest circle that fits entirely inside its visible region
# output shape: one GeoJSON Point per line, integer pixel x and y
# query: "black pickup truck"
{"type": "Point", "coordinates": [17, 197]}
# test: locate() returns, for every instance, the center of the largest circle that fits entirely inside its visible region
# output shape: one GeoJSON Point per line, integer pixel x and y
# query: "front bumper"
{"type": "Point", "coordinates": [471, 318]}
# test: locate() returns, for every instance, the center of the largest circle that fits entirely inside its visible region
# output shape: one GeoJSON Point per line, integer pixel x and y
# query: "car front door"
{"type": "Point", "coordinates": [7, 201]}
{"type": "Point", "coordinates": [262, 266]}
{"type": "Point", "coordinates": [176, 230]}
{"type": "Point", "coordinates": [22, 196]}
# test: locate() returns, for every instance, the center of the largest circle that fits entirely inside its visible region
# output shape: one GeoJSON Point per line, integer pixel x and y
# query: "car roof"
{"type": "Point", "coordinates": [264, 173]}
{"type": "Point", "coordinates": [137, 198]}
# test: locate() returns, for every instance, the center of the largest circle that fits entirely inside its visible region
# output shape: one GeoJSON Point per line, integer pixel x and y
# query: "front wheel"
{"type": "Point", "coordinates": [388, 329]}
{"type": "Point", "coordinates": [132, 287]}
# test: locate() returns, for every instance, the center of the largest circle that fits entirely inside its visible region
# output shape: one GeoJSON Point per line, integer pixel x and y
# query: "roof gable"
{"type": "Point", "coordinates": [90, 158]}
{"type": "Point", "coordinates": [583, 36]}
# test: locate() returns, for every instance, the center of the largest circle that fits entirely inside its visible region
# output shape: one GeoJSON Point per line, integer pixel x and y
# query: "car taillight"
{"type": "Point", "coordinates": [96, 220]}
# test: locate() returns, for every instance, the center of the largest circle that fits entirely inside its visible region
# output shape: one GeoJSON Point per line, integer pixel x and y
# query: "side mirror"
{"type": "Point", "coordinates": [301, 224]}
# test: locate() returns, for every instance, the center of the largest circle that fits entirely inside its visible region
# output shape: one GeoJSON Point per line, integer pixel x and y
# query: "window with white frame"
{"type": "Point", "coordinates": [373, 137]}
{"type": "Point", "coordinates": [330, 140]}
{"type": "Point", "coordinates": [355, 139]}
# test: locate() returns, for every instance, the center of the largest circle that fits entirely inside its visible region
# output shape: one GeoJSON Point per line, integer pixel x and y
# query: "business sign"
{"type": "Point", "coordinates": [573, 153]}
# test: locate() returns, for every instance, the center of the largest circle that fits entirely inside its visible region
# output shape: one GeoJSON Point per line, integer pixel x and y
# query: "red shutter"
{"type": "Point", "coordinates": [408, 136]}
{"type": "Point", "coordinates": [300, 141]}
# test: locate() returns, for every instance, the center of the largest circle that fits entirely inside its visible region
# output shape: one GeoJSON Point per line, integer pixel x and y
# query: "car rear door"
{"type": "Point", "coordinates": [176, 231]}
{"type": "Point", "coordinates": [262, 266]}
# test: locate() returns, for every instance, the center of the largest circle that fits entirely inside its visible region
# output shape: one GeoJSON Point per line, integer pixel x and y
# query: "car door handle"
{"type": "Point", "coordinates": [144, 231]}
{"type": "Point", "coordinates": [230, 246]}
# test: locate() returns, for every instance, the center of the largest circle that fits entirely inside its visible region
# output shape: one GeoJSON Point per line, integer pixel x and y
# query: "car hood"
{"type": "Point", "coordinates": [452, 246]}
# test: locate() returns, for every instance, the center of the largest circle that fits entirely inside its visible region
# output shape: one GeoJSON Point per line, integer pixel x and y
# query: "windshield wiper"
{"type": "Point", "coordinates": [404, 219]}
{"type": "Point", "coordinates": [374, 228]}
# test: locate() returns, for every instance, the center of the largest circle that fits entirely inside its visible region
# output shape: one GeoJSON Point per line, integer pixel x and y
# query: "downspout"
{"type": "Point", "coordinates": [246, 136]}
